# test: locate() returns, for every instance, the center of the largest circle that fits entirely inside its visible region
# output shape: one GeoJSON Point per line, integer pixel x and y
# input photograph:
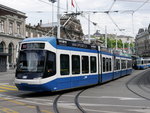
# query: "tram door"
{"type": "Point", "coordinates": [63, 65]}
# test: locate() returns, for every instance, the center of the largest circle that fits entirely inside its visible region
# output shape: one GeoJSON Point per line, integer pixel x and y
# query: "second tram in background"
{"type": "Point", "coordinates": [50, 64]}
{"type": "Point", "coordinates": [141, 63]}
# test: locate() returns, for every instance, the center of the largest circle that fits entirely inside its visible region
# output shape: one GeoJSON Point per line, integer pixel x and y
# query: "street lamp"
{"type": "Point", "coordinates": [52, 1]}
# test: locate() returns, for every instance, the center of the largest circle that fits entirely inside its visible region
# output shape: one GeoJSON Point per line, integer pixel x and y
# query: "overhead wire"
{"type": "Point", "coordinates": [51, 4]}
{"type": "Point", "coordinates": [109, 10]}
{"type": "Point", "coordinates": [141, 6]}
{"type": "Point", "coordinates": [134, 11]}
{"type": "Point", "coordinates": [131, 0]}
{"type": "Point", "coordinates": [112, 5]}
{"type": "Point", "coordinates": [113, 21]}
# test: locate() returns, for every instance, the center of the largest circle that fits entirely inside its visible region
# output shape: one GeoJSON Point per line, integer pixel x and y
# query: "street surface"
{"type": "Point", "coordinates": [129, 94]}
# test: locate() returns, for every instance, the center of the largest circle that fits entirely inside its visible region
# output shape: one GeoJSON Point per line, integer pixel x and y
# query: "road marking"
{"type": "Point", "coordinates": [121, 98]}
{"type": "Point", "coordinates": [7, 110]}
{"type": "Point", "coordinates": [2, 90]}
{"type": "Point", "coordinates": [108, 97]}
{"type": "Point", "coordinates": [100, 111]}
{"type": "Point", "coordinates": [106, 105]}
{"type": "Point", "coordinates": [7, 88]}
{"type": "Point", "coordinates": [21, 103]}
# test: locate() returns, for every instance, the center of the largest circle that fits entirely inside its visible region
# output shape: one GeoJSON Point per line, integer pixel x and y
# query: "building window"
{"type": "Point", "coordinates": [38, 35]}
{"type": "Point", "coordinates": [27, 34]}
{"type": "Point", "coordinates": [1, 47]}
{"type": "Point", "coordinates": [18, 29]}
{"type": "Point", "coordinates": [31, 35]}
{"type": "Point", "coordinates": [10, 51]}
{"type": "Point", "coordinates": [85, 64]}
{"type": "Point", "coordinates": [64, 64]}
{"type": "Point", "coordinates": [10, 28]}
{"type": "Point", "coordinates": [75, 64]}
{"type": "Point", "coordinates": [1, 26]}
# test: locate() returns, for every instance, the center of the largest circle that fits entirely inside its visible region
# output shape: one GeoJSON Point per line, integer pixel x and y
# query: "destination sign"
{"type": "Point", "coordinates": [33, 46]}
{"type": "Point", "coordinates": [75, 44]}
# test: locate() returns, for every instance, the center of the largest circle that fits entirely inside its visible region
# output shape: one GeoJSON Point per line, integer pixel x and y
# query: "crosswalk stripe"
{"type": "Point", "coordinates": [2, 90]}
{"type": "Point", "coordinates": [8, 88]}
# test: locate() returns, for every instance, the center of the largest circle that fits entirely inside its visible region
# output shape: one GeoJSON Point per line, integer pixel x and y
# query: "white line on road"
{"type": "Point", "coordinates": [108, 97]}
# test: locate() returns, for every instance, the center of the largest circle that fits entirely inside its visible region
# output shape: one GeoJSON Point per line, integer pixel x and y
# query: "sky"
{"type": "Point", "coordinates": [124, 22]}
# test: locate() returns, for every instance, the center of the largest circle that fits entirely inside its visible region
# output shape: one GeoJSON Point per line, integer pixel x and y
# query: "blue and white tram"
{"type": "Point", "coordinates": [141, 63]}
{"type": "Point", "coordinates": [50, 64]}
{"type": "Point", "coordinates": [117, 66]}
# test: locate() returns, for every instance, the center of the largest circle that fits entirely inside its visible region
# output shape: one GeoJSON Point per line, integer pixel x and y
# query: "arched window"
{"type": "Point", "coordinates": [10, 51]}
{"type": "Point", "coordinates": [2, 47]}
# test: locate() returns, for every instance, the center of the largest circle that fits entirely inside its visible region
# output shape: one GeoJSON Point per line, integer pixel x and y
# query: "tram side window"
{"type": "Point", "coordinates": [109, 64]}
{"type": "Point", "coordinates": [122, 64]}
{"type": "Point", "coordinates": [104, 64]}
{"type": "Point", "coordinates": [142, 62]}
{"type": "Point", "coordinates": [51, 64]}
{"type": "Point", "coordinates": [85, 64]}
{"type": "Point", "coordinates": [128, 63]}
{"type": "Point", "coordinates": [64, 64]}
{"type": "Point", "coordinates": [118, 64]}
{"type": "Point", "coordinates": [75, 64]}
{"type": "Point", "coordinates": [93, 64]}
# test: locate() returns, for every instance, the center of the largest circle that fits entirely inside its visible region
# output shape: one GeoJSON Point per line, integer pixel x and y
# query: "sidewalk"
{"type": "Point", "coordinates": [9, 71]}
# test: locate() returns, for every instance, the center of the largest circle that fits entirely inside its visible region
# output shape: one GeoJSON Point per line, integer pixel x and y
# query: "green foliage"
{"type": "Point", "coordinates": [111, 42]}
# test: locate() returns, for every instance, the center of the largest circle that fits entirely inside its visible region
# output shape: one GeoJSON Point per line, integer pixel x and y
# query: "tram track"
{"type": "Point", "coordinates": [76, 102]}
{"type": "Point", "coordinates": [139, 85]}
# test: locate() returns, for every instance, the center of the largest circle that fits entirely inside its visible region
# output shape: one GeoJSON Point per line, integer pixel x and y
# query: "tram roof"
{"type": "Point", "coordinates": [61, 42]}
{"type": "Point", "coordinates": [68, 44]}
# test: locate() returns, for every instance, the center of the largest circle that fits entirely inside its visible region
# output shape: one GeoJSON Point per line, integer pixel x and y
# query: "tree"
{"type": "Point", "coordinates": [120, 44]}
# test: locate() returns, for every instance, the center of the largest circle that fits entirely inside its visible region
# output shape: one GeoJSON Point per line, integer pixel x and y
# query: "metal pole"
{"type": "Point", "coordinates": [58, 19]}
{"type": "Point", "coordinates": [129, 46]}
{"type": "Point", "coordinates": [89, 28]}
{"type": "Point", "coordinates": [67, 5]}
{"type": "Point", "coordinates": [106, 36]}
{"type": "Point", "coordinates": [52, 16]}
{"type": "Point", "coordinates": [116, 42]}
{"type": "Point", "coordinates": [123, 46]}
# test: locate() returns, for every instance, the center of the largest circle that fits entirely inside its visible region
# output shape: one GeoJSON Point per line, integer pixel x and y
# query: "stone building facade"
{"type": "Point", "coordinates": [34, 31]}
{"type": "Point", "coordinates": [70, 29]}
{"type": "Point", "coordinates": [12, 31]}
{"type": "Point", "coordinates": [142, 42]}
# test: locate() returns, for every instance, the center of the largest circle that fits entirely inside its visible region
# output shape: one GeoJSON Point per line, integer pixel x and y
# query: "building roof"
{"type": "Point", "coordinates": [7, 11]}
{"type": "Point", "coordinates": [49, 24]}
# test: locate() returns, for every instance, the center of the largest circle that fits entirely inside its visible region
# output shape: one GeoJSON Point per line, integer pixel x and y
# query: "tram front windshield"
{"type": "Point", "coordinates": [31, 61]}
